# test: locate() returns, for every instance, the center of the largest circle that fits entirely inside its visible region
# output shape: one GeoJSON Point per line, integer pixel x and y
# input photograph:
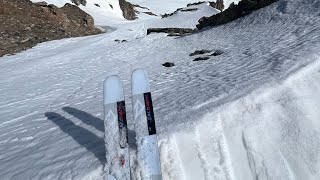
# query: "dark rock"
{"type": "Point", "coordinates": [42, 3]}
{"type": "Point", "coordinates": [137, 5]}
{"type": "Point", "coordinates": [197, 52]}
{"type": "Point", "coordinates": [24, 24]}
{"type": "Point", "coordinates": [128, 10]}
{"type": "Point", "coordinates": [168, 64]}
{"type": "Point", "coordinates": [150, 13]}
{"type": "Point", "coordinates": [97, 5]}
{"type": "Point", "coordinates": [218, 5]}
{"type": "Point", "coordinates": [78, 2]}
{"type": "Point", "coordinates": [217, 53]}
{"type": "Point", "coordinates": [120, 41]}
{"type": "Point", "coordinates": [201, 58]}
{"type": "Point", "coordinates": [171, 14]}
{"type": "Point", "coordinates": [179, 31]}
{"type": "Point", "coordinates": [191, 9]}
{"type": "Point", "coordinates": [244, 8]}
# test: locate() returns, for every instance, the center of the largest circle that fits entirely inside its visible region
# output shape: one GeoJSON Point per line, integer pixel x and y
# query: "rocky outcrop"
{"type": "Point", "coordinates": [78, 2]}
{"type": "Point", "coordinates": [128, 10]}
{"type": "Point", "coordinates": [218, 4]}
{"type": "Point", "coordinates": [244, 8]}
{"type": "Point", "coordinates": [179, 31]}
{"type": "Point", "coordinates": [24, 24]}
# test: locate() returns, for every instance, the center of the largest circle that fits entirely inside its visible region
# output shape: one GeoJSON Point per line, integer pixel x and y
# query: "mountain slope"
{"type": "Point", "coordinates": [245, 114]}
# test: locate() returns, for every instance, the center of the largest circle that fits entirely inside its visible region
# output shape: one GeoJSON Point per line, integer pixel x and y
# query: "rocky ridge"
{"type": "Point", "coordinates": [25, 24]}
{"type": "Point", "coordinates": [234, 12]}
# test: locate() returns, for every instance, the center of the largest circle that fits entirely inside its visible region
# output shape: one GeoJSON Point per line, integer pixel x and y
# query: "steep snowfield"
{"type": "Point", "coordinates": [167, 6]}
{"type": "Point", "coordinates": [250, 113]}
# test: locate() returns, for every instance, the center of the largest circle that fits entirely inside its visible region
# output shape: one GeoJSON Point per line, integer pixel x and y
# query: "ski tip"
{"type": "Point", "coordinates": [112, 89]}
{"type": "Point", "coordinates": [140, 81]}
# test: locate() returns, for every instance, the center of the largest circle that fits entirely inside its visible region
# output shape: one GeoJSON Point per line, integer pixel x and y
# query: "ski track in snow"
{"type": "Point", "coordinates": [250, 113]}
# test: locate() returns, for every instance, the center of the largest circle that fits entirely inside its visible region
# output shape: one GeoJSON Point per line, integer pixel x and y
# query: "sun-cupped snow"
{"type": "Point", "coordinates": [248, 113]}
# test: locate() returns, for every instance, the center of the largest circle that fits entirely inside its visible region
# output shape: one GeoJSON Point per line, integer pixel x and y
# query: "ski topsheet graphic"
{"type": "Point", "coordinates": [116, 132]}
{"type": "Point", "coordinates": [147, 142]}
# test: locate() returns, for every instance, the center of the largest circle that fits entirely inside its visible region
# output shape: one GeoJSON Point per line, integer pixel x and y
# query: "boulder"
{"type": "Point", "coordinates": [168, 64]}
{"type": "Point", "coordinates": [128, 10]}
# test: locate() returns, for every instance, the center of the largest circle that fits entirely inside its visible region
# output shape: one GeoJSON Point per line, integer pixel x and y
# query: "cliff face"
{"type": "Point", "coordinates": [24, 24]}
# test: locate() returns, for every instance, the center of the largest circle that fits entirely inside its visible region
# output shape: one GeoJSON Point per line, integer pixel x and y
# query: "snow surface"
{"type": "Point", "coordinates": [168, 6]}
{"type": "Point", "coordinates": [250, 113]}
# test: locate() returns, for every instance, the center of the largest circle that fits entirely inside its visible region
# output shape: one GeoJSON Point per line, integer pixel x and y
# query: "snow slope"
{"type": "Point", "coordinates": [168, 6]}
{"type": "Point", "coordinates": [250, 113]}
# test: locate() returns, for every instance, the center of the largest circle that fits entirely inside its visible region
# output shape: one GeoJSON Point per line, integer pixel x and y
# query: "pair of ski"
{"type": "Point", "coordinates": [116, 132]}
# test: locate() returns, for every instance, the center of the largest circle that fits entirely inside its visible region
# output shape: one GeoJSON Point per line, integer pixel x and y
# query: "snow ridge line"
{"type": "Point", "coordinates": [287, 166]}
{"type": "Point", "coordinates": [255, 160]}
{"type": "Point", "coordinates": [204, 163]}
{"type": "Point", "coordinates": [224, 153]}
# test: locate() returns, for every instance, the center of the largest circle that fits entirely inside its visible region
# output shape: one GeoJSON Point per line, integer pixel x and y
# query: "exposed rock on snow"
{"type": "Point", "coordinates": [244, 8]}
{"type": "Point", "coordinates": [178, 31]}
{"type": "Point", "coordinates": [150, 13]}
{"type": "Point", "coordinates": [201, 58]}
{"type": "Point", "coordinates": [127, 10]}
{"type": "Point", "coordinates": [24, 24]}
{"type": "Point", "coordinates": [168, 64]}
{"type": "Point", "coordinates": [120, 41]}
{"type": "Point", "coordinates": [218, 4]}
{"type": "Point", "coordinates": [217, 53]}
{"type": "Point", "coordinates": [197, 52]}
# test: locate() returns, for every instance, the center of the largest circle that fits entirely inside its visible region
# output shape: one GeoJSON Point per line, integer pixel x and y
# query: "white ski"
{"type": "Point", "coordinates": [117, 164]}
{"type": "Point", "coordinates": [147, 142]}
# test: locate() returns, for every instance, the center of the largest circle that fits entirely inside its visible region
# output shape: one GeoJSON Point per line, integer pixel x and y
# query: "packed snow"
{"type": "Point", "coordinates": [249, 113]}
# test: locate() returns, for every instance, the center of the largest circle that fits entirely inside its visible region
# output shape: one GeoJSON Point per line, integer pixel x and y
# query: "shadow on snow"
{"type": "Point", "coordinates": [84, 137]}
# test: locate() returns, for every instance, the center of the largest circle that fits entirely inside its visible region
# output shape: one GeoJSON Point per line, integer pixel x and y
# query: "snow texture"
{"type": "Point", "coordinates": [250, 113]}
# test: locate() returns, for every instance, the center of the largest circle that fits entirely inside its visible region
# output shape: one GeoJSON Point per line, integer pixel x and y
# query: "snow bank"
{"type": "Point", "coordinates": [273, 133]}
